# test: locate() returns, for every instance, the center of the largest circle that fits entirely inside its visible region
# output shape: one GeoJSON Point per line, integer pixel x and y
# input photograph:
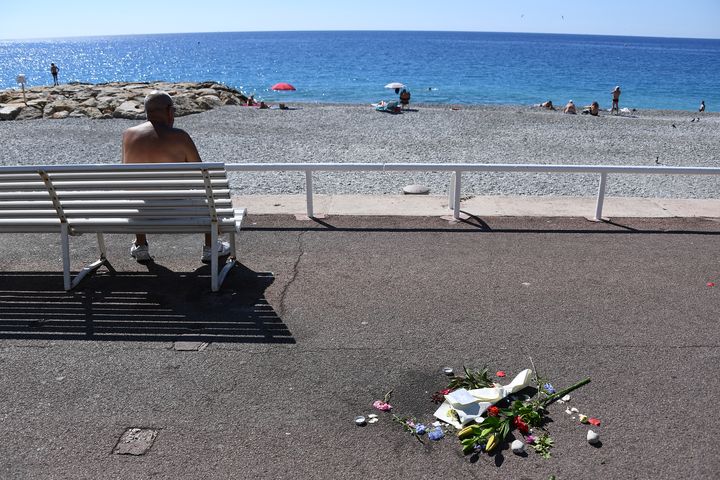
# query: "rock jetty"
{"type": "Point", "coordinates": [111, 100]}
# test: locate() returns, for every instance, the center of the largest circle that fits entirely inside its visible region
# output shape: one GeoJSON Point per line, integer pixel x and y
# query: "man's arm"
{"type": "Point", "coordinates": [191, 152]}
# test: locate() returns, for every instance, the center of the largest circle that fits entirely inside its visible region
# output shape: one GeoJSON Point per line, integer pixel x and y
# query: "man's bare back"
{"type": "Point", "coordinates": [158, 143]}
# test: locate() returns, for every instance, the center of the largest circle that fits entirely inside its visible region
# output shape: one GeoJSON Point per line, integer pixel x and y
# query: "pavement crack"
{"type": "Point", "coordinates": [293, 273]}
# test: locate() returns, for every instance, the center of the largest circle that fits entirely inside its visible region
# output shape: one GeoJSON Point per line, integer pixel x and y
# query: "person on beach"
{"type": "Point", "coordinates": [615, 101]}
{"type": "Point", "coordinates": [592, 109]}
{"type": "Point", "coordinates": [157, 141]}
{"type": "Point", "coordinates": [548, 105]}
{"type": "Point", "coordinates": [250, 101]}
{"type": "Point", "coordinates": [404, 99]}
{"type": "Point", "coordinates": [54, 70]}
{"type": "Point", "coordinates": [702, 106]}
{"type": "Point", "coordinates": [570, 108]}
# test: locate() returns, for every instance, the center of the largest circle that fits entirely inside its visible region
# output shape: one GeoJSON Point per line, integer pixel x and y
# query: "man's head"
{"type": "Point", "coordinates": [159, 108]}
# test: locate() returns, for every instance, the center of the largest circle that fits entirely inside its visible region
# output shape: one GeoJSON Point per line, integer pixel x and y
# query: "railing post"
{"type": "Point", "coordinates": [451, 192]}
{"type": "Point", "coordinates": [600, 197]}
{"type": "Point", "coordinates": [309, 193]}
{"type": "Point", "coordinates": [456, 195]}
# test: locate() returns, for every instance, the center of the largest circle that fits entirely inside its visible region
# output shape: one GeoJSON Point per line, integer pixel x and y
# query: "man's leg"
{"type": "Point", "coordinates": [139, 249]}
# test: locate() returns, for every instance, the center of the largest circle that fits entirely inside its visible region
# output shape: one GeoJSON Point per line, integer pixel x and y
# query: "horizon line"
{"type": "Point", "coordinates": [338, 31]}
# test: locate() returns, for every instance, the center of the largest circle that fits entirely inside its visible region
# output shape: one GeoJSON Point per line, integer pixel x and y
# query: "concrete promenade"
{"type": "Point", "coordinates": [427, 205]}
{"type": "Point", "coordinates": [263, 379]}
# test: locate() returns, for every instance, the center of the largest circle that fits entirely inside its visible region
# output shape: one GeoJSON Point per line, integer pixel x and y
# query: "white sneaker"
{"type": "Point", "coordinates": [223, 251]}
{"type": "Point", "coordinates": [140, 253]}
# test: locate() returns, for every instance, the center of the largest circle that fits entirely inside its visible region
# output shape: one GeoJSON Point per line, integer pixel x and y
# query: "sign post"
{"type": "Point", "coordinates": [21, 80]}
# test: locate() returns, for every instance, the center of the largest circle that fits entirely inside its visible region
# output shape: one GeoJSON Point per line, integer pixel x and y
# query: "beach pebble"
{"type": "Point", "coordinates": [574, 410]}
{"type": "Point", "coordinates": [416, 190]}
{"type": "Point", "coordinates": [566, 398]}
{"type": "Point", "coordinates": [360, 420]}
{"type": "Point", "coordinates": [593, 438]}
{"type": "Point", "coordinates": [517, 446]}
{"type": "Point", "coordinates": [448, 371]}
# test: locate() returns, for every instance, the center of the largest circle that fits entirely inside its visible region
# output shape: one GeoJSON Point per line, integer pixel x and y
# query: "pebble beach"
{"type": "Point", "coordinates": [425, 134]}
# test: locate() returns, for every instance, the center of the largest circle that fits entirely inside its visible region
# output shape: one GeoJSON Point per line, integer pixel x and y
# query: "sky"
{"type": "Point", "coordinates": [656, 18]}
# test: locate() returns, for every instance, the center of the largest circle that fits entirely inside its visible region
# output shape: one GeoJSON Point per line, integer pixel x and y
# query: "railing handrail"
{"type": "Point", "coordinates": [474, 167]}
{"type": "Point", "coordinates": [458, 168]}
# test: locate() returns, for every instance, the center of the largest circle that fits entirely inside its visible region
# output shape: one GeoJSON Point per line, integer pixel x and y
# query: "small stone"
{"type": "Point", "coordinates": [574, 410]}
{"type": "Point", "coordinates": [517, 447]}
{"type": "Point", "coordinates": [568, 411]}
{"type": "Point", "coordinates": [416, 190]}
{"type": "Point", "coordinates": [135, 441]}
{"type": "Point", "coordinates": [448, 371]}
{"type": "Point", "coordinates": [566, 398]}
{"type": "Point", "coordinates": [373, 420]}
{"type": "Point", "coordinates": [593, 438]}
{"type": "Point", "coordinates": [360, 421]}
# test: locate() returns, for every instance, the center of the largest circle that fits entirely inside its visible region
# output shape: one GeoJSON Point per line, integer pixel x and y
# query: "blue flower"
{"type": "Point", "coordinates": [549, 388]}
{"type": "Point", "coordinates": [420, 429]}
{"type": "Point", "coordinates": [436, 434]}
{"type": "Point", "coordinates": [479, 447]}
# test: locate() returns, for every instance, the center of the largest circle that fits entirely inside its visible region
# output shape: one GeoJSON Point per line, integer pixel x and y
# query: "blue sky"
{"type": "Point", "coordinates": [664, 18]}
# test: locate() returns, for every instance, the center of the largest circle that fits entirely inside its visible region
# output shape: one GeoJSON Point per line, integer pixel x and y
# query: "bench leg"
{"type": "Point", "coordinates": [214, 258]}
{"type": "Point", "coordinates": [233, 251]}
{"type": "Point", "coordinates": [65, 242]}
{"type": "Point", "coordinates": [68, 282]}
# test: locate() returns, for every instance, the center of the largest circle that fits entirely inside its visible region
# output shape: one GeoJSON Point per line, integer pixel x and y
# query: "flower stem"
{"type": "Point", "coordinates": [562, 393]}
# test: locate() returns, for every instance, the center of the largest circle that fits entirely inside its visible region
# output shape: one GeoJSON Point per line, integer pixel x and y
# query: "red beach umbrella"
{"type": "Point", "coordinates": [282, 86]}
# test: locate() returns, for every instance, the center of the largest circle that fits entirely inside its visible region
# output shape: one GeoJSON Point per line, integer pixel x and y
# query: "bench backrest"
{"type": "Point", "coordinates": [122, 195]}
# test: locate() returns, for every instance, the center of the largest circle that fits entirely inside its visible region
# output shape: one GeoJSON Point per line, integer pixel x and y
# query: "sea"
{"type": "Point", "coordinates": [468, 68]}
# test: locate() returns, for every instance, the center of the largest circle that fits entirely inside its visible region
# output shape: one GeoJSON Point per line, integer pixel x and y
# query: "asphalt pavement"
{"type": "Point", "coordinates": [322, 317]}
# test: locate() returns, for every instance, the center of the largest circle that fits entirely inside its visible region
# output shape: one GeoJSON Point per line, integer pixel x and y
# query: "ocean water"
{"type": "Point", "coordinates": [353, 67]}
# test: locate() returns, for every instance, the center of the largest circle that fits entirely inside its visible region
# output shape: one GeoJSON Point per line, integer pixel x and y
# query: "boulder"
{"type": "Point", "coordinates": [30, 113]}
{"type": "Point", "coordinates": [90, 112]}
{"type": "Point", "coordinates": [60, 115]}
{"type": "Point", "coordinates": [130, 110]}
{"type": "Point", "coordinates": [59, 106]}
{"type": "Point", "coordinates": [205, 91]}
{"type": "Point", "coordinates": [208, 102]}
{"type": "Point", "coordinates": [9, 112]}
{"type": "Point", "coordinates": [184, 105]}
{"type": "Point", "coordinates": [107, 104]}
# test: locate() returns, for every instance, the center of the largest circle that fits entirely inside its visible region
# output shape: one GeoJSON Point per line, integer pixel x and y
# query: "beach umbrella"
{"type": "Point", "coordinates": [395, 85]}
{"type": "Point", "coordinates": [282, 86]}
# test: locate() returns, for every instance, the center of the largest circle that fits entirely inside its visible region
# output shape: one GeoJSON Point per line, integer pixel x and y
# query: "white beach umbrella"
{"type": "Point", "coordinates": [394, 85]}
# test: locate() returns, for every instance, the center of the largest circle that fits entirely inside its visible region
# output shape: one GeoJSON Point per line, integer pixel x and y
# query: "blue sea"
{"type": "Point", "coordinates": [353, 67]}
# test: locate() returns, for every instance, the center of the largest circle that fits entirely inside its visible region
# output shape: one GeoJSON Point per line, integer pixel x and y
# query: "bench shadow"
{"type": "Point", "coordinates": [157, 305]}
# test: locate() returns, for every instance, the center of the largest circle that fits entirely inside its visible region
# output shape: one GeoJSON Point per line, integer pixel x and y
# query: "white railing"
{"type": "Point", "coordinates": [458, 168]}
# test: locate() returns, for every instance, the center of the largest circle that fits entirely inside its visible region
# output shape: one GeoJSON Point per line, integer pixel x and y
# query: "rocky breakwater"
{"type": "Point", "coordinates": [111, 100]}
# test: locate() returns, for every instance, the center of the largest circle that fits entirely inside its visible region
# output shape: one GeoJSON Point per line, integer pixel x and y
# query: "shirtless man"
{"type": "Point", "coordinates": [157, 141]}
{"type": "Point", "coordinates": [615, 101]}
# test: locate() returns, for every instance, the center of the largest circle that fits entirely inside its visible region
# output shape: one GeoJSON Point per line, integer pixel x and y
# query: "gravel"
{"type": "Point", "coordinates": [426, 134]}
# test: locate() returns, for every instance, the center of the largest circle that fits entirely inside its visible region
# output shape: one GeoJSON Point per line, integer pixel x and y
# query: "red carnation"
{"type": "Point", "coordinates": [493, 411]}
{"type": "Point", "coordinates": [520, 425]}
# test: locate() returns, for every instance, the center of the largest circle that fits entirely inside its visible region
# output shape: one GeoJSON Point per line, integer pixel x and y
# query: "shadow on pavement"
{"type": "Point", "coordinates": [158, 305]}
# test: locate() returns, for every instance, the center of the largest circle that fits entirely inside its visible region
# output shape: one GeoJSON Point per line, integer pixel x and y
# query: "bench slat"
{"type": "Point", "coordinates": [114, 194]}
{"type": "Point", "coordinates": [114, 167]}
{"type": "Point", "coordinates": [97, 184]}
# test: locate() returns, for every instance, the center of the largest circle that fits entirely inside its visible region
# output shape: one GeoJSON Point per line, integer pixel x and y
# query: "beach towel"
{"type": "Point", "coordinates": [390, 107]}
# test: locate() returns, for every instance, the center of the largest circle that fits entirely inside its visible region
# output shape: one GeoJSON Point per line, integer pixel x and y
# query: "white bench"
{"type": "Point", "coordinates": [138, 198]}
